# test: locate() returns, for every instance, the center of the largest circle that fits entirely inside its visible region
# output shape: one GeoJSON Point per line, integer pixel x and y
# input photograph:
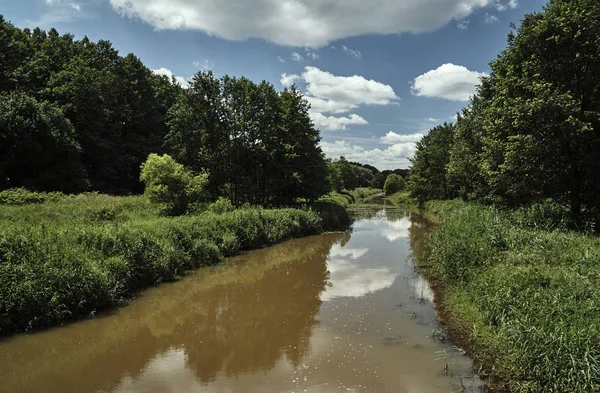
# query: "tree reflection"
{"type": "Point", "coordinates": [241, 317]}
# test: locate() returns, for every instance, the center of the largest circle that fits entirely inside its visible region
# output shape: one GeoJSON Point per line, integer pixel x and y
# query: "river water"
{"type": "Point", "coordinates": [332, 313]}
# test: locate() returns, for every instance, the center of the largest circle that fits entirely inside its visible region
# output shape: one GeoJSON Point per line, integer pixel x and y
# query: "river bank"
{"type": "Point", "coordinates": [520, 293]}
{"type": "Point", "coordinates": [67, 258]}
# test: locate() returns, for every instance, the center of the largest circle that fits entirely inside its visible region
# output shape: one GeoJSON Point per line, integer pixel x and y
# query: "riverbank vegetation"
{"type": "Point", "coordinates": [73, 256]}
{"type": "Point", "coordinates": [516, 257]}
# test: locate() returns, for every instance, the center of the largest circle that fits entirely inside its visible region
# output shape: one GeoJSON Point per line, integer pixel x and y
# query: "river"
{"type": "Point", "coordinates": [342, 312]}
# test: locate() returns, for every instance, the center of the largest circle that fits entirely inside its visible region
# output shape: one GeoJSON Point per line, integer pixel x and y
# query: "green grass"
{"type": "Point", "coordinates": [76, 255]}
{"type": "Point", "coordinates": [402, 198]}
{"type": "Point", "coordinates": [350, 197]}
{"type": "Point", "coordinates": [525, 300]}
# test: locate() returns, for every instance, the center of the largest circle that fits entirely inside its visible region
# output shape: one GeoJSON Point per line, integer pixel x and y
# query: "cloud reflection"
{"type": "Point", "coordinates": [349, 279]}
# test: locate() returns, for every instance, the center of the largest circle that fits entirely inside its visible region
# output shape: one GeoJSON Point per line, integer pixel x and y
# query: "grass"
{"type": "Point", "coordinates": [73, 256]}
{"type": "Point", "coordinates": [402, 198]}
{"type": "Point", "coordinates": [523, 292]}
{"type": "Point", "coordinates": [350, 197]}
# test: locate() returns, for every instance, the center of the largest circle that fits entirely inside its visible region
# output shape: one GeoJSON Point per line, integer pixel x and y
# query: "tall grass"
{"type": "Point", "coordinates": [75, 256]}
{"type": "Point", "coordinates": [528, 299]}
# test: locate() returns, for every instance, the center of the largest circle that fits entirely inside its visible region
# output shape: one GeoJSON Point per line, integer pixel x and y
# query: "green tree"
{"type": "Point", "coordinates": [540, 128]}
{"type": "Point", "coordinates": [171, 186]}
{"type": "Point", "coordinates": [393, 184]}
{"type": "Point", "coordinates": [428, 172]}
{"type": "Point", "coordinates": [38, 147]}
{"type": "Point", "coordinates": [199, 133]}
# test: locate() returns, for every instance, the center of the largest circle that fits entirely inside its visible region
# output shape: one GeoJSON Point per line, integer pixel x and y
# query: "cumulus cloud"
{"type": "Point", "coordinates": [346, 91]}
{"type": "Point", "coordinates": [449, 81]}
{"type": "Point", "coordinates": [351, 52]}
{"type": "Point", "coordinates": [281, 60]}
{"type": "Point", "coordinates": [288, 80]}
{"type": "Point", "coordinates": [301, 22]}
{"type": "Point", "coordinates": [392, 138]}
{"type": "Point", "coordinates": [331, 94]}
{"type": "Point", "coordinates": [168, 73]}
{"type": "Point", "coordinates": [394, 156]}
{"type": "Point", "coordinates": [333, 123]}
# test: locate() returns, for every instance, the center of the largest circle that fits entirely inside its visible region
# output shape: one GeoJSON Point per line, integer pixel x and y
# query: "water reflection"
{"type": "Point", "coordinates": [232, 319]}
{"type": "Point", "coordinates": [349, 279]}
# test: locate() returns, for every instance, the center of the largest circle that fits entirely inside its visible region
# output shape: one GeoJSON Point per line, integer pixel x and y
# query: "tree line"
{"type": "Point", "coordinates": [532, 130]}
{"type": "Point", "coordinates": [77, 116]}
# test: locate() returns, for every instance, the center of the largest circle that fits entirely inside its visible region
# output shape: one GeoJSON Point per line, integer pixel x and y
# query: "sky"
{"type": "Point", "coordinates": [379, 74]}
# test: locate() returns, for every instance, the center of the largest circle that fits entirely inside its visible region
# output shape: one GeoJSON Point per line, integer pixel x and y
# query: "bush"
{"type": "Point", "coordinates": [171, 186]}
{"type": "Point", "coordinates": [22, 196]}
{"type": "Point", "coordinates": [221, 205]}
{"type": "Point", "coordinates": [393, 184]}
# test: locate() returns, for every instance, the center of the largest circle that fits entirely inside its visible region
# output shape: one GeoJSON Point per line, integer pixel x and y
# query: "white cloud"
{"type": "Point", "coordinates": [502, 6]}
{"type": "Point", "coordinates": [75, 6]}
{"type": "Point", "coordinates": [393, 138]}
{"type": "Point", "coordinates": [288, 80]}
{"type": "Point", "coordinates": [349, 90]}
{"type": "Point", "coordinates": [351, 52]}
{"type": "Point", "coordinates": [393, 157]}
{"type": "Point", "coordinates": [300, 22]}
{"type": "Point", "coordinates": [332, 94]}
{"type": "Point", "coordinates": [281, 59]}
{"type": "Point", "coordinates": [332, 123]}
{"type": "Point", "coordinates": [449, 81]}
{"type": "Point", "coordinates": [432, 120]}
{"type": "Point", "coordinates": [490, 18]}
{"type": "Point", "coordinates": [296, 56]}
{"type": "Point", "coordinates": [168, 73]}
{"type": "Point", "coordinates": [463, 24]}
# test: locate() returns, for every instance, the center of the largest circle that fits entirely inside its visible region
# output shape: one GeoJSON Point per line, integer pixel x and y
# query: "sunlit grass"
{"type": "Point", "coordinates": [73, 256]}
{"type": "Point", "coordinates": [528, 299]}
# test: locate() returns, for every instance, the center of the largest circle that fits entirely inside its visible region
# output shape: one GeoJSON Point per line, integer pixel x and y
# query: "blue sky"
{"type": "Point", "coordinates": [379, 73]}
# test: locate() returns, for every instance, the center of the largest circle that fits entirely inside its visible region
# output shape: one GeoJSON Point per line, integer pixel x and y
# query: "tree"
{"type": "Point", "coordinates": [171, 186]}
{"type": "Point", "coordinates": [428, 172]}
{"type": "Point", "coordinates": [393, 184]}
{"type": "Point", "coordinates": [38, 147]}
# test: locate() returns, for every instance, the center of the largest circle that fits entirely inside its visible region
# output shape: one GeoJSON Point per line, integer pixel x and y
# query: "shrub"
{"type": "Point", "coordinates": [393, 184]}
{"type": "Point", "coordinates": [22, 196]}
{"type": "Point", "coordinates": [170, 185]}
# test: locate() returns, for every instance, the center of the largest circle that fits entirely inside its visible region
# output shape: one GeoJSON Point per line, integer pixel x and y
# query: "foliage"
{"type": "Point", "coordinates": [22, 196]}
{"type": "Point", "coordinates": [428, 172]}
{"type": "Point", "coordinates": [259, 146]}
{"type": "Point", "coordinates": [393, 184]}
{"type": "Point", "coordinates": [170, 185]}
{"type": "Point", "coordinates": [343, 174]}
{"type": "Point", "coordinates": [531, 131]}
{"type": "Point", "coordinates": [39, 149]}
{"type": "Point", "coordinates": [96, 115]}
{"type": "Point", "coordinates": [525, 297]}
{"type": "Point", "coordinates": [76, 256]}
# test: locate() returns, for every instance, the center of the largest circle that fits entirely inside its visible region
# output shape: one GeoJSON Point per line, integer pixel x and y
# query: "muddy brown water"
{"type": "Point", "coordinates": [331, 313]}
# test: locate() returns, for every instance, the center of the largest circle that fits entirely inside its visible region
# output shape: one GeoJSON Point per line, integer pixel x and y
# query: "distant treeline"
{"type": "Point", "coordinates": [532, 130]}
